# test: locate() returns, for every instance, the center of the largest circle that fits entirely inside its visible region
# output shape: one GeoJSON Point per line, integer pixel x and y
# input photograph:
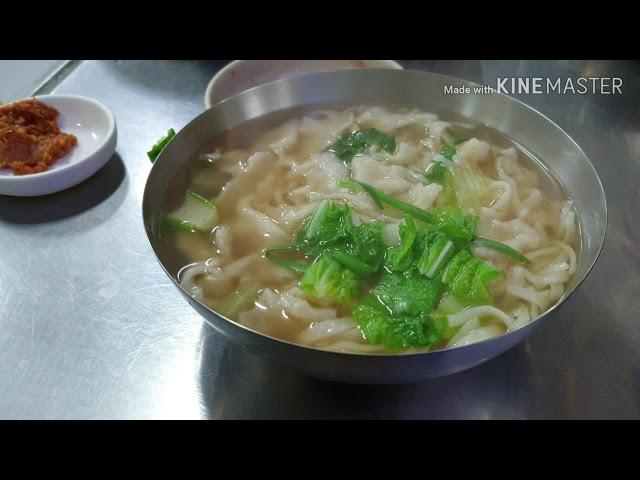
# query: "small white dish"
{"type": "Point", "coordinates": [241, 75]}
{"type": "Point", "coordinates": [95, 127]}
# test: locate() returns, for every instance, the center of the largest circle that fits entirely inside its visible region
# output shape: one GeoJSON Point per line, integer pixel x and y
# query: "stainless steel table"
{"type": "Point", "coordinates": [90, 327]}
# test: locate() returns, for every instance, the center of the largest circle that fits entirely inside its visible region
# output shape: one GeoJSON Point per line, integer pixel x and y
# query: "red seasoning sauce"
{"type": "Point", "coordinates": [30, 139]}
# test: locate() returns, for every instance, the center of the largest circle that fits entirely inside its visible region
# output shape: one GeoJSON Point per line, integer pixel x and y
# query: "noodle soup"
{"type": "Point", "coordinates": [370, 229]}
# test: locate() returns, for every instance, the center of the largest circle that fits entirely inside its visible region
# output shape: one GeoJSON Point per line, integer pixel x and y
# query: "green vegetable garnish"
{"type": "Point", "coordinates": [400, 258]}
{"type": "Point", "coordinates": [397, 332]}
{"type": "Point", "coordinates": [381, 199]}
{"type": "Point", "coordinates": [458, 138]}
{"type": "Point", "coordinates": [160, 144]}
{"type": "Point", "coordinates": [436, 172]}
{"type": "Point", "coordinates": [502, 248]}
{"type": "Point", "coordinates": [407, 293]}
{"type": "Point", "coordinates": [181, 225]}
{"type": "Point", "coordinates": [367, 243]}
{"type": "Point", "coordinates": [327, 278]}
{"type": "Point", "coordinates": [460, 183]}
{"type": "Point", "coordinates": [329, 227]}
{"type": "Point", "coordinates": [458, 226]}
{"type": "Point", "coordinates": [240, 300]}
{"type": "Point", "coordinates": [440, 174]}
{"type": "Point", "coordinates": [353, 143]}
{"type": "Point", "coordinates": [439, 249]}
{"type": "Point", "coordinates": [468, 279]}
{"type": "Point", "coordinates": [453, 267]}
{"type": "Point", "coordinates": [450, 220]}
{"type": "Point", "coordinates": [352, 263]}
{"type": "Point", "coordinates": [470, 285]}
{"type": "Point", "coordinates": [201, 198]}
{"type": "Point", "coordinates": [432, 258]}
{"type": "Point", "coordinates": [449, 304]}
{"type": "Point", "coordinates": [330, 231]}
{"type": "Point", "coordinates": [471, 186]}
{"type": "Point", "coordinates": [196, 214]}
{"type": "Point", "coordinates": [482, 277]}
{"type": "Point", "coordinates": [448, 152]}
{"type": "Point", "coordinates": [396, 312]}
{"type": "Point", "coordinates": [297, 266]}
{"type": "Point", "coordinates": [461, 284]}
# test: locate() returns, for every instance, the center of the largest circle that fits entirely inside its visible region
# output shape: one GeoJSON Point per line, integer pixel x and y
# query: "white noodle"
{"type": "Point", "coordinates": [279, 180]}
{"type": "Point", "coordinates": [459, 318]}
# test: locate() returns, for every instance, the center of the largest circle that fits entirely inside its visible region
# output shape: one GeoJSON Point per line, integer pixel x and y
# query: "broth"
{"type": "Point", "coordinates": [267, 177]}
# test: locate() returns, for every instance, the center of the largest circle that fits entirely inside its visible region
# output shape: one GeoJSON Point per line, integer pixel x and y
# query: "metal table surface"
{"type": "Point", "coordinates": [90, 327]}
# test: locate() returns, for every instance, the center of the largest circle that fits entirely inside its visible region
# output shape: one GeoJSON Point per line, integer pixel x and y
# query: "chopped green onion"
{"type": "Point", "coordinates": [352, 143]}
{"type": "Point", "coordinates": [381, 198]}
{"type": "Point", "coordinates": [202, 199]}
{"type": "Point", "coordinates": [436, 172]}
{"type": "Point", "coordinates": [196, 214]}
{"type": "Point", "coordinates": [296, 266]}
{"type": "Point", "coordinates": [181, 225]}
{"type": "Point", "coordinates": [448, 152]}
{"type": "Point", "coordinates": [352, 263]}
{"type": "Point", "coordinates": [502, 248]}
{"type": "Point", "coordinates": [160, 144]}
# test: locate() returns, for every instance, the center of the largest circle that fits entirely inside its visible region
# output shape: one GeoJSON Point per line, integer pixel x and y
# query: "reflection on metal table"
{"type": "Point", "coordinates": [92, 328]}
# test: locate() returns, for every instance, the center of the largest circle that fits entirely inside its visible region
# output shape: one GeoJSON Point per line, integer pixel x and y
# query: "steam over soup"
{"type": "Point", "coordinates": [370, 230]}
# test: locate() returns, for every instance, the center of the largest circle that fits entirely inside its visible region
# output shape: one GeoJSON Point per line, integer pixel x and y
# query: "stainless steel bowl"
{"type": "Point", "coordinates": [528, 128]}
